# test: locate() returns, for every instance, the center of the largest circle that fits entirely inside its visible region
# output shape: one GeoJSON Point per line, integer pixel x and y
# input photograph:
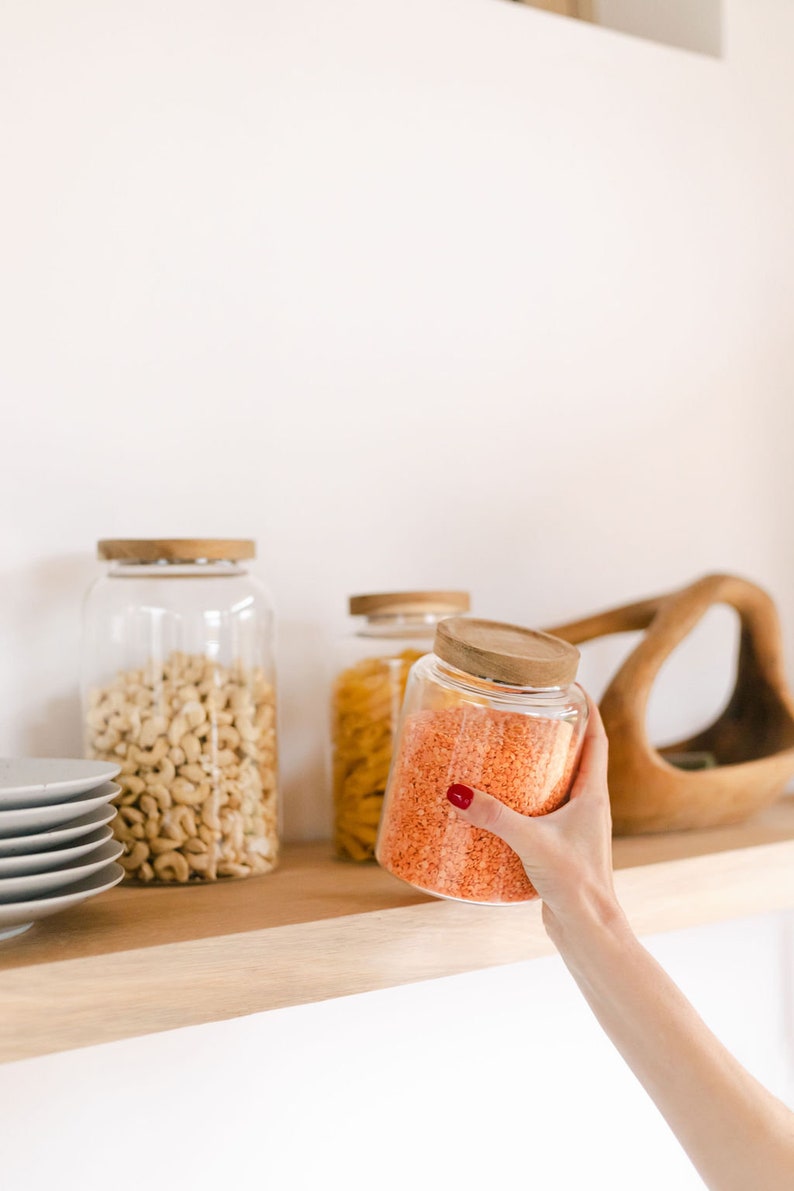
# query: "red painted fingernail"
{"type": "Point", "coordinates": [460, 796]}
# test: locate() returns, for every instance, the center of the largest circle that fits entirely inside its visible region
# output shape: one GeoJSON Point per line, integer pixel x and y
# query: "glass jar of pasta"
{"type": "Point", "coordinates": [179, 688]}
{"type": "Point", "coordinates": [393, 630]}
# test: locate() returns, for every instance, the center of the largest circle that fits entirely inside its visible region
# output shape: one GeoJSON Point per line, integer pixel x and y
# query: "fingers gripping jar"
{"type": "Point", "coordinates": [179, 688]}
{"type": "Point", "coordinates": [493, 707]}
{"type": "Point", "coordinates": [394, 629]}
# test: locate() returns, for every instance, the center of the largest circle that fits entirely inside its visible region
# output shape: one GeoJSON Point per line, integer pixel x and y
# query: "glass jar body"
{"type": "Point", "coordinates": [178, 687]}
{"type": "Point", "coordinates": [519, 744]}
{"type": "Point", "coordinates": [371, 668]}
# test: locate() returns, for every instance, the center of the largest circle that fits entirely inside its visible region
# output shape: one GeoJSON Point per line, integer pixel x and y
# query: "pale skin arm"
{"type": "Point", "coordinates": [737, 1134]}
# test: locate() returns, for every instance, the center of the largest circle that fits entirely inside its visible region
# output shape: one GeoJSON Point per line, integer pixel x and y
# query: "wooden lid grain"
{"type": "Point", "coordinates": [506, 653]}
{"type": "Point", "coordinates": [176, 549]}
{"type": "Point", "coordinates": [409, 602]}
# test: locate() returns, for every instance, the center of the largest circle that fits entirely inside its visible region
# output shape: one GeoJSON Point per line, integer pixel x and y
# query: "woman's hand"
{"type": "Point", "coordinates": [567, 854]}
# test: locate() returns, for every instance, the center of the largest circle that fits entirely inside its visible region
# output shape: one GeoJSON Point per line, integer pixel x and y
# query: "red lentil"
{"type": "Point", "coordinates": [526, 761]}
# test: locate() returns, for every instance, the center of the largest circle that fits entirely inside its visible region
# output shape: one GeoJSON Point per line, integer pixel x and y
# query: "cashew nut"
{"type": "Point", "coordinates": [196, 744]}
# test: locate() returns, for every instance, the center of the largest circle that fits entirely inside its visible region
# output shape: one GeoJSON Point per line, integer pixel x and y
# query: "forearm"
{"type": "Point", "coordinates": [735, 1132]}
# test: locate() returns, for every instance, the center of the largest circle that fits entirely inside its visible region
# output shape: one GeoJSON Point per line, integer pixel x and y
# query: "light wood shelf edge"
{"type": "Point", "coordinates": [49, 1005]}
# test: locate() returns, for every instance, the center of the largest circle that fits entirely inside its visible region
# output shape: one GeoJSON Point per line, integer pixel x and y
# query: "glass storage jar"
{"type": "Point", "coordinates": [493, 707]}
{"type": "Point", "coordinates": [178, 686]}
{"type": "Point", "coordinates": [393, 629]}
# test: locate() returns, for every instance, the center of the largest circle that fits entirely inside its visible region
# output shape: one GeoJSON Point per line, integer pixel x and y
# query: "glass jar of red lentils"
{"type": "Point", "coordinates": [494, 707]}
{"type": "Point", "coordinates": [391, 630]}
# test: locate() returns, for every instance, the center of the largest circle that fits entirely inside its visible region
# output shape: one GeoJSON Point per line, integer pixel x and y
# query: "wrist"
{"type": "Point", "coordinates": [594, 916]}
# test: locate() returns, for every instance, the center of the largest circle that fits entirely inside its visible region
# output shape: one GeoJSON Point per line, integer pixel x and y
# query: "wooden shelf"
{"type": "Point", "coordinates": [137, 961]}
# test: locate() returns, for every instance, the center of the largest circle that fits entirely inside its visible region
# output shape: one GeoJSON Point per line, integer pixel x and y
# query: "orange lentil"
{"type": "Point", "coordinates": [525, 761]}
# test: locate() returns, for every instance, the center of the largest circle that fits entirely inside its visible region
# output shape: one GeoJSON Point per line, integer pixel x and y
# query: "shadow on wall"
{"type": "Point", "coordinates": [304, 676]}
{"type": "Point", "coordinates": [40, 607]}
{"type": "Point", "coordinates": [687, 24]}
{"type": "Point", "coordinates": [56, 731]}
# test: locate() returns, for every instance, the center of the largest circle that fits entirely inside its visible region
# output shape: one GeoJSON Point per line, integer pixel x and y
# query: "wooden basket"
{"type": "Point", "coordinates": [751, 742]}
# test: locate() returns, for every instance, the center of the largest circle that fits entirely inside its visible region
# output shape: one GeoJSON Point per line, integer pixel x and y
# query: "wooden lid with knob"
{"type": "Point", "coordinates": [409, 602]}
{"type": "Point", "coordinates": [176, 549]}
{"type": "Point", "coordinates": [506, 653]}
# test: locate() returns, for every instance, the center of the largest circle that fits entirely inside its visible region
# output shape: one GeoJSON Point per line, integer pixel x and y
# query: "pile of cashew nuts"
{"type": "Point", "coordinates": [196, 742]}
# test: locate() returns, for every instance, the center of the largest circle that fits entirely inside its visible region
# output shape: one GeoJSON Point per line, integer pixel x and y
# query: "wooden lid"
{"type": "Point", "coordinates": [409, 602]}
{"type": "Point", "coordinates": [506, 653]}
{"type": "Point", "coordinates": [176, 549]}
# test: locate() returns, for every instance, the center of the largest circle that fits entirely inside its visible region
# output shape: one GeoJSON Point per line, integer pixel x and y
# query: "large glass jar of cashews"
{"type": "Point", "coordinates": [494, 707]}
{"type": "Point", "coordinates": [391, 630]}
{"type": "Point", "coordinates": [178, 687]}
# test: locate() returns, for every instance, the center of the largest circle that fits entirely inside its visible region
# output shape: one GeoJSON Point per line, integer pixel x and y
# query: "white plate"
{"type": "Point", "coordinates": [14, 889]}
{"type": "Point", "coordinates": [39, 781]}
{"type": "Point", "coordinates": [18, 916]}
{"type": "Point", "coordinates": [42, 841]}
{"type": "Point", "coordinates": [42, 862]}
{"type": "Point", "coordinates": [28, 819]}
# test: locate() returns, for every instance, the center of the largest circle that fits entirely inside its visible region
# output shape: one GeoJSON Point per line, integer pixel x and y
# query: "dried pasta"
{"type": "Point", "coordinates": [366, 704]}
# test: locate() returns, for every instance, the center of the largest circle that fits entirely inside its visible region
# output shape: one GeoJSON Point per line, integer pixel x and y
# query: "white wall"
{"type": "Point", "coordinates": [450, 292]}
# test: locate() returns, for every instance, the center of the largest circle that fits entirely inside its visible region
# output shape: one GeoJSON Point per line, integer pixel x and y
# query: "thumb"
{"type": "Point", "coordinates": [483, 810]}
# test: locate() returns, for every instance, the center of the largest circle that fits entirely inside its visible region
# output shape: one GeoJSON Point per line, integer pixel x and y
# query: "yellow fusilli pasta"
{"type": "Point", "coordinates": [367, 699]}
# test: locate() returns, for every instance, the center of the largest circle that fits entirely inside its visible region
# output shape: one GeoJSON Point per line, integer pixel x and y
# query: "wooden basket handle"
{"type": "Point", "coordinates": [626, 619]}
{"type": "Point", "coordinates": [668, 620]}
{"type": "Point", "coordinates": [671, 617]}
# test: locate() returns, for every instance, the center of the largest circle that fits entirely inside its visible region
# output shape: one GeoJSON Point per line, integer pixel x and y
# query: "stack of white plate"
{"type": "Point", "coordinates": [56, 845]}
